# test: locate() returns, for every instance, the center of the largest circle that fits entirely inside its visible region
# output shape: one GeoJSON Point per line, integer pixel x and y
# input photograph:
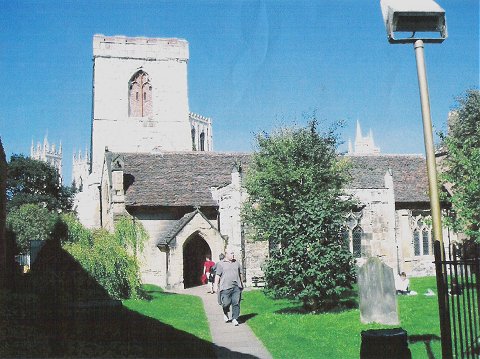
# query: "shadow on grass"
{"type": "Point", "coordinates": [246, 317]}
{"type": "Point", "coordinates": [426, 339]}
{"type": "Point", "coordinates": [48, 316]}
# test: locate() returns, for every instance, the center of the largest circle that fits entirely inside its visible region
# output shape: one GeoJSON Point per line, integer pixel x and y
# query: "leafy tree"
{"type": "Point", "coordinates": [106, 258]}
{"type": "Point", "coordinates": [462, 165]}
{"type": "Point", "coordinates": [30, 222]}
{"type": "Point", "coordinates": [130, 234]}
{"type": "Point", "coordinates": [295, 183]}
{"type": "Point", "coordinates": [32, 181]}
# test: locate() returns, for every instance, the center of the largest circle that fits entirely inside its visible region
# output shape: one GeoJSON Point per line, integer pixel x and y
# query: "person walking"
{"type": "Point", "coordinates": [221, 257]}
{"type": "Point", "coordinates": [228, 281]}
{"type": "Point", "coordinates": [207, 267]}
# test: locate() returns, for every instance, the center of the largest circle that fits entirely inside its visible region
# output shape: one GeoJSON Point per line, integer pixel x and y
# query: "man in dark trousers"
{"type": "Point", "coordinates": [229, 283]}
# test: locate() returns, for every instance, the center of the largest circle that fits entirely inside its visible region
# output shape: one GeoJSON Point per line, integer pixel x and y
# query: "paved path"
{"type": "Point", "coordinates": [239, 341]}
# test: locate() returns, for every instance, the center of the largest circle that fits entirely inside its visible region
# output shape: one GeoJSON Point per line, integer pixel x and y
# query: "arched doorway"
{"type": "Point", "coordinates": [194, 252]}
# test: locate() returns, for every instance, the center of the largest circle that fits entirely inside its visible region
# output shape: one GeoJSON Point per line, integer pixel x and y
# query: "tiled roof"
{"type": "Point", "coordinates": [177, 178]}
{"type": "Point", "coordinates": [410, 180]}
{"type": "Point", "coordinates": [185, 178]}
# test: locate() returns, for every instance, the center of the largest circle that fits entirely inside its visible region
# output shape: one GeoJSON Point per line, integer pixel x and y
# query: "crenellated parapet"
{"type": "Point", "coordinates": [201, 132]}
{"type": "Point", "coordinates": [199, 118]}
{"type": "Point", "coordinates": [120, 46]}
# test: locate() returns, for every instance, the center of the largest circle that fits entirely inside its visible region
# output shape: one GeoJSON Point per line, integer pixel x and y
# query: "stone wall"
{"type": "Point", "coordinates": [256, 253]}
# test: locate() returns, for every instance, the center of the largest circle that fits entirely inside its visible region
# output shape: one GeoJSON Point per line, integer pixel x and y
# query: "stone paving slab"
{"type": "Point", "coordinates": [239, 341]}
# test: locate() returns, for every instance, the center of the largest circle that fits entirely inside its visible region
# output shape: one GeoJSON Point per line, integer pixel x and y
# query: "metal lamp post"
{"type": "Point", "coordinates": [426, 18]}
{"type": "Point", "coordinates": [420, 22]}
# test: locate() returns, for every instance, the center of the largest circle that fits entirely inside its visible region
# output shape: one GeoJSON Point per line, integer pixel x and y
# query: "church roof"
{"type": "Point", "coordinates": [185, 178]}
{"type": "Point", "coordinates": [409, 173]}
{"type": "Point", "coordinates": [177, 178]}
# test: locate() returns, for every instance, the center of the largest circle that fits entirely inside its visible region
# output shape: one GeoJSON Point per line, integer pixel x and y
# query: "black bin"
{"type": "Point", "coordinates": [385, 344]}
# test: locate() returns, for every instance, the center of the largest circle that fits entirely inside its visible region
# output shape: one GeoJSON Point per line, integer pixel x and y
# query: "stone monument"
{"type": "Point", "coordinates": [376, 287]}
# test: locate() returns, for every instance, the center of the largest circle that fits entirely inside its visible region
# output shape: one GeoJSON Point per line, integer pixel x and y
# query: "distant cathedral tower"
{"type": "Point", "coordinates": [48, 153]}
{"type": "Point", "coordinates": [80, 169]}
{"type": "Point", "coordinates": [364, 145]}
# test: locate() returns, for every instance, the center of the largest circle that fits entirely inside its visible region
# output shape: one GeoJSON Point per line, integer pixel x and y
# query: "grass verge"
{"type": "Point", "coordinates": [288, 333]}
{"type": "Point", "coordinates": [183, 312]}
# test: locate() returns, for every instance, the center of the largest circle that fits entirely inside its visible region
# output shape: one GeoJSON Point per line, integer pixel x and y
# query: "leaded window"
{"type": "Point", "coordinates": [426, 241]}
{"type": "Point", "coordinates": [354, 235]}
{"type": "Point", "coordinates": [422, 237]}
{"type": "Point", "coordinates": [357, 235]}
{"type": "Point", "coordinates": [416, 242]}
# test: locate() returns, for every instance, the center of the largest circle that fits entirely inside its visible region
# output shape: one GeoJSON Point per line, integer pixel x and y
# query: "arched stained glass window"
{"type": "Point", "coordinates": [416, 242]}
{"type": "Point", "coordinates": [140, 95]}
{"type": "Point", "coordinates": [357, 234]}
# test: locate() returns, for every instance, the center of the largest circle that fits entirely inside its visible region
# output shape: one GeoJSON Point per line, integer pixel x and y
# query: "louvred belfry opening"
{"type": "Point", "coordinates": [140, 95]}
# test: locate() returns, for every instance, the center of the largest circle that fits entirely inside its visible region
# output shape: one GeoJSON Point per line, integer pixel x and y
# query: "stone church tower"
{"type": "Point", "coordinates": [140, 105]}
{"type": "Point", "coordinates": [140, 99]}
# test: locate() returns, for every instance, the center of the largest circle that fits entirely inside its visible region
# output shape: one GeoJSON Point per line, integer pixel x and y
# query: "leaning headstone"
{"type": "Point", "coordinates": [376, 287]}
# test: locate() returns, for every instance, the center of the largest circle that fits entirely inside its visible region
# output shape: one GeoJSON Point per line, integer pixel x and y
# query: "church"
{"type": "Point", "coordinates": [153, 159]}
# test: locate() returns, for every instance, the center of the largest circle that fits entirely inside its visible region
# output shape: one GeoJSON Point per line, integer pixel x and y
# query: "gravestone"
{"type": "Point", "coordinates": [377, 296]}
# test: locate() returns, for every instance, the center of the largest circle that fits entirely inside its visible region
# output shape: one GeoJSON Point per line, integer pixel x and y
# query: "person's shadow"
{"type": "Point", "coordinates": [66, 322]}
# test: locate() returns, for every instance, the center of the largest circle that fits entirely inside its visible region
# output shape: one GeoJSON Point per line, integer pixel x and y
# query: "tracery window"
{"type": "Point", "coordinates": [422, 237]}
{"type": "Point", "coordinates": [354, 234]}
{"type": "Point", "coordinates": [140, 95]}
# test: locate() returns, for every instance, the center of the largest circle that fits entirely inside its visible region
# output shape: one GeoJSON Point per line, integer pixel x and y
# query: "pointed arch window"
{"type": "Point", "coordinates": [140, 95]}
{"type": "Point", "coordinates": [422, 237]}
{"type": "Point", "coordinates": [353, 234]}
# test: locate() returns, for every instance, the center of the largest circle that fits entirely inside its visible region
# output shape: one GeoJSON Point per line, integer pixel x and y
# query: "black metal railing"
{"type": "Point", "coordinates": [458, 285]}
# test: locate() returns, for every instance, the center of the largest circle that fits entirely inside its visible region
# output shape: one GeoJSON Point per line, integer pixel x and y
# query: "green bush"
{"type": "Point", "coordinates": [107, 260]}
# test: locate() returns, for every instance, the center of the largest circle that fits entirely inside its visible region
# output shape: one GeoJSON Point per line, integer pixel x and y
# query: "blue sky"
{"type": "Point", "coordinates": [254, 66]}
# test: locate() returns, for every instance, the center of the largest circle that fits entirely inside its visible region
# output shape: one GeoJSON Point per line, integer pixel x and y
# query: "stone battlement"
{"type": "Point", "coordinates": [199, 118]}
{"type": "Point", "coordinates": [140, 48]}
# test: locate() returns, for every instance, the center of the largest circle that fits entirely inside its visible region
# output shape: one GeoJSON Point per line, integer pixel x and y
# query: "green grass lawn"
{"type": "Point", "coordinates": [289, 334]}
{"type": "Point", "coordinates": [183, 312]}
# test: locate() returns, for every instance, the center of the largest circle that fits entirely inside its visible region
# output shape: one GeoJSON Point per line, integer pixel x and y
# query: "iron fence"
{"type": "Point", "coordinates": [458, 285]}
